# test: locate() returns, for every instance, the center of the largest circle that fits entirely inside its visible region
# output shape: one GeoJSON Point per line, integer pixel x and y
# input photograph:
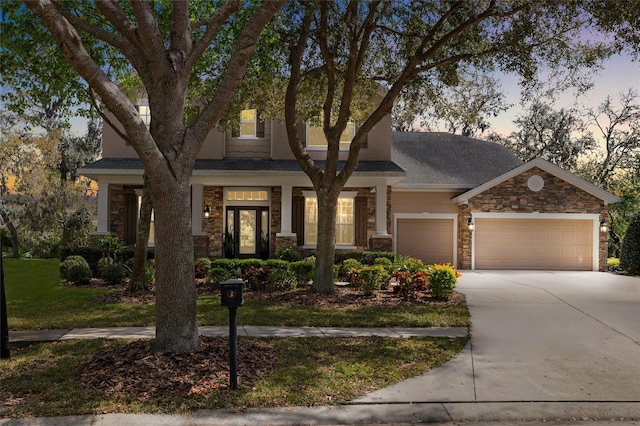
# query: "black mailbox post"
{"type": "Point", "coordinates": [231, 297]}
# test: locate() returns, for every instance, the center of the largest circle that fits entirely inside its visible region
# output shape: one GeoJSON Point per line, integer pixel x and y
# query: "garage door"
{"type": "Point", "coordinates": [534, 244]}
{"type": "Point", "coordinates": [430, 240]}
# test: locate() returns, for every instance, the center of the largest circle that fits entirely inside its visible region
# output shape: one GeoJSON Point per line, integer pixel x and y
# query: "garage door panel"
{"type": "Point", "coordinates": [430, 240]}
{"type": "Point", "coordinates": [533, 244]}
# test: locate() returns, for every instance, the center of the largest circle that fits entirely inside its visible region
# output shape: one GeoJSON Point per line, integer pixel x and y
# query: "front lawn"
{"type": "Point", "coordinates": [37, 299]}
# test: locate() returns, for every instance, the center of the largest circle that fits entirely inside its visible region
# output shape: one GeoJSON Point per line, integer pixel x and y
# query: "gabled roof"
{"type": "Point", "coordinates": [574, 180]}
{"type": "Point", "coordinates": [435, 160]}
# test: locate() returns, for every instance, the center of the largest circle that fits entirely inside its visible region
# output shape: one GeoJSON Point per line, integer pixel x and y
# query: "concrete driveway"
{"type": "Point", "coordinates": [539, 336]}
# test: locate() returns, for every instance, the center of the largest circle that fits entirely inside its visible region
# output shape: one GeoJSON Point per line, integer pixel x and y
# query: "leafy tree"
{"type": "Point", "coordinates": [341, 53]}
{"type": "Point", "coordinates": [630, 255]}
{"type": "Point", "coordinates": [549, 134]}
{"type": "Point", "coordinates": [462, 108]}
{"type": "Point", "coordinates": [190, 59]}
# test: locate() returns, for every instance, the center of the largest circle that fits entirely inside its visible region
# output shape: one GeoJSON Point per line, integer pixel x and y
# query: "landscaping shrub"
{"type": "Point", "coordinates": [218, 275]}
{"type": "Point", "coordinates": [114, 273]}
{"type": "Point", "coordinates": [202, 266]}
{"type": "Point", "coordinates": [75, 269]}
{"type": "Point", "coordinates": [630, 250]}
{"type": "Point", "coordinates": [246, 264]}
{"type": "Point", "coordinates": [231, 265]}
{"type": "Point", "coordinates": [369, 257]}
{"type": "Point", "coordinates": [91, 254]}
{"type": "Point", "coordinates": [304, 270]}
{"type": "Point", "coordinates": [111, 246]}
{"type": "Point", "coordinates": [411, 278]}
{"type": "Point", "coordinates": [278, 263]}
{"type": "Point", "coordinates": [289, 254]}
{"type": "Point", "coordinates": [281, 279]}
{"type": "Point", "coordinates": [387, 270]}
{"type": "Point", "coordinates": [370, 278]}
{"type": "Point", "coordinates": [442, 280]}
{"type": "Point", "coordinates": [613, 264]}
{"type": "Point", "coordinates": [341, 256]}
{"type": "Point", "coordinates": [150, 271]}
{"type": "Point", "coordinates": [103, 264]}
{"type": "Point", "coordinates": [256, 277]}
{"type": "Point", "coordinates": [349, 269]}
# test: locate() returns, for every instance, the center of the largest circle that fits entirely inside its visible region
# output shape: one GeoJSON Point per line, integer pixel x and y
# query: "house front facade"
{"type": "Point", "coordinates": [434, 196]}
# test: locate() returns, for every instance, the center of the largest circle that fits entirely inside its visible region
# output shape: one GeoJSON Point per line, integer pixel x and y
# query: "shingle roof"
{"type": "Point", "coordinates": [239, 165]}
{"type": "Point", "coordinates": [442, 159]}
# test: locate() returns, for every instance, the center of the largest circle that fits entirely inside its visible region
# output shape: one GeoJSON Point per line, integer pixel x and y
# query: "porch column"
{"type": "Point", "coordinates": [197, 207]}
{"type": "Point", "coordinates": [285, 212]}
{"type": "Point", "coordinates": [103, 208]}
{"type": "Point", "coordinates": [381, 211]}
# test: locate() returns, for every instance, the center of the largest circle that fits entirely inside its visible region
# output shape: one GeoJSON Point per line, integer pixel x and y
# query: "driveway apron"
{"type": "Point", "coordinates": [539, 336]}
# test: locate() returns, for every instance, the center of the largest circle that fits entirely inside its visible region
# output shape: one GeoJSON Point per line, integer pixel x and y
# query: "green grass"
{"type": "Point", "coordinates": [42, 379]}
{"type": "Point", "coordinates": [37, 300]}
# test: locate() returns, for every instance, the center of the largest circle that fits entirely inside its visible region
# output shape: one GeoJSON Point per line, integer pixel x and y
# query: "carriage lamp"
{"type": "Point", "coordinates": [470, 224]}
{"type": "Point", "coordinates": [207, 211]}
{"type": "Point", "coordinates": [603, 226]}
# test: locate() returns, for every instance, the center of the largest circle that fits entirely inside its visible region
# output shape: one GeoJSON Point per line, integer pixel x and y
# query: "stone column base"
{"type": "Point", "coordinates": [381, 243]}
{"type": "Point", "coordinates": [286, 240]}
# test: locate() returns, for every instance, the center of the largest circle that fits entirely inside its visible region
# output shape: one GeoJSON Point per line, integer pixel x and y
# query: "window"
{"type": "Point", "coordinates": [345, 220]}
{"type": "Point", "coordinates": [142, 105]}
{"type": "Point", "coordinates": [316, 138]}
{"type": "Point", "coordinates": [152, 227]}
{"type": "Point", "coordinates": [247, 195]}
{"type": "Point", "coordinates": [248, 121]}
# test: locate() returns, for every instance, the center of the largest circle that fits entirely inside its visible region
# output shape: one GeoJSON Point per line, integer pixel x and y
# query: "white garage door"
{"type": "Point", "coordinates": [534, 244]}
{"type": "Point", "coordinates": [430, 240]}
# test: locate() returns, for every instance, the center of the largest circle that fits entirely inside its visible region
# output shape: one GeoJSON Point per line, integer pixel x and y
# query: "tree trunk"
{"type": "Point", "coordinates": [15, 244]}
{"type": "Point", "coordinates": [326, 246]}
{"type": "Point", "coordinates": [176, 321]}
{"type": "Point", "coordinates": [138, 274]}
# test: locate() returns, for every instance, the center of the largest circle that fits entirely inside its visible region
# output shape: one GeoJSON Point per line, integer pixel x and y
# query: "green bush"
{"type": "Point", "coordinates": [371, 278]}
{"type": "Point", "coordinates": [75, 269]}
{"type": "Point", "coordinates": [256, 277]}
{"type": "Point", "coordinates": [341, 256]}
{"type": "Point", "coordinates": [218, 275]}
{"type": "Point", "coordinates": [231, 265]}
{"type": "Point", "coordinates": [278, 263]}
{"type": "Point", "coordinates": [442, 280]}
{"type": "Point", "coordinates": [630, 250]}
{"type": "Point", "coordinates": [246, 264]}
{"type": "Point", "coordinates": [202, 266]}
{"type": "Point", "coordinates": [150, 271]}
{"type": "Point", "coordinates": [369, 257]}
{"type": "Point", "coordinates": [103, 264]}
{"type": "Point", "coordinates": [281, 279]}
{"type": "Point", "coordinates": [349, 269]}
{"type": "Point", "coordinates": [289, 254]}
{"type": "Point", "coordinates": [304, 270]}
{"type": "Point", "coordinates": [91, 254]}
{"type": "Point", "coordinates": [114, 273]}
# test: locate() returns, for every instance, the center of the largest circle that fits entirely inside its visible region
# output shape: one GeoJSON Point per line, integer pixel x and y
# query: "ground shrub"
{"type": "Point", "coordinates": [304, 270]}
{"type": "Point", "coordinates": [371, 278]}
{"type": "Point", "coordinates": [218, 275]}
{"type": "Point", "coordinates": [91, 254]}
{"type": "Point", "coordinates": [630, 250]}
{"type": "Point", "coordinates": [281, 279]}
{"type": "Point", "coordinates": [75, 269]}
{"type": "Point", "coordinates": [246, 264]}
{"type": "Point", "coordinates": [369, 257]}
{"type": "Point", "coordinates": [350, 269]}
{"type": "Point", "coordinates": [278, 263]}
{"type": "Point", "coordinates": [256, 277]}
{"type": "Point", "coordinates": [341, 256]}
{"type": "Point", "coordinates": [289, 254]}
{"type": "Point", "coordinates": [231, 265]}
{"type": "Point", "coordinates": [114, 273]}
{"type": "Point", "coordinates": [442, 280]}
{"type": "Point", "coordinates": [202, 266]}
{"type": "Point", "coordinates": [103, 264]}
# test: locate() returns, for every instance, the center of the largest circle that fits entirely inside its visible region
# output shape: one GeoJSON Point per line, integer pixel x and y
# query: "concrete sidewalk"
{"type": "Point", "coordinates": [18, 337]}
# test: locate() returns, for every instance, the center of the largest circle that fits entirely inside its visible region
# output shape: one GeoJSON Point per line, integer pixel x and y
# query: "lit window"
{"type": "Point", "coordinates": [248, 121]}
{"type": "Point", "coordinates": [152, 227]}
{"type": "Point", "coordinates": [316, 138]}
{"type": "Point", "coordinates": [241, 195]}
{"type": "Point", "coordinates": [345, 223]}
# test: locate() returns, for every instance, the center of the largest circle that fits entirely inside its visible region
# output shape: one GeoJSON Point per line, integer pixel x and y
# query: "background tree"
{"type": "Point", "coordinates": [338, 50]}
{"type": "Point", "coordinates": [186, 55]}
{"type": "Point", "coordinates": [557, 136]}
{"type": "Point", "coordinates": [463, 106]}
{"type": "Point", "coordinates": [630, 254]}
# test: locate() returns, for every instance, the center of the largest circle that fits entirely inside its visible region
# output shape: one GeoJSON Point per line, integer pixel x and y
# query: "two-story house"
{"type": "Point", "coordinates": [434, 196]}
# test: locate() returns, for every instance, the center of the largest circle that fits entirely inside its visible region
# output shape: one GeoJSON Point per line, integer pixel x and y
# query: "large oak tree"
{"type": "Point", "coordinates": [176, 50]}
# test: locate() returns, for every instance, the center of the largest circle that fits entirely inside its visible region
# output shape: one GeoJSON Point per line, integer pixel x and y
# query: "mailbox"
{"type": "Point", "coordinates": [231, 293]}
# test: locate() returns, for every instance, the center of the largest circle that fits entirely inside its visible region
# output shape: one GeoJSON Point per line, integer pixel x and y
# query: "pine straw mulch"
{"type": "Point", "coordinates": [134, 369]}
{"type": "Point", "coordinates": [303, 296]}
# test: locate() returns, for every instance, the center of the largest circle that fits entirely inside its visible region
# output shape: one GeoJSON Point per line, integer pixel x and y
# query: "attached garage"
{"type": "Point", "coordinates": [431, 240]}
{"type": "Point", "coordinates": [546, 244]}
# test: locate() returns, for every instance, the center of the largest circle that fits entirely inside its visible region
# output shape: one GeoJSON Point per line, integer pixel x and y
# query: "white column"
{"type": "Point", "coordinates": [381, 211]}
{"type": "Point", "coordinates": [285, 212]}
{"type": "Point", "coordinates": [197, 208]}
{"type": "Point", "coordinates": [103, 208]}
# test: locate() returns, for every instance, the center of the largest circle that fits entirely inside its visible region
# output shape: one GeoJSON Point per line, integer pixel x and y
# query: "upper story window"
{"type": "Point", "coordinates": [317, 140]}
{"type": "Point", "coordinates": [144, 111]}
{"type": "Point", "coordinates": [251, 125]}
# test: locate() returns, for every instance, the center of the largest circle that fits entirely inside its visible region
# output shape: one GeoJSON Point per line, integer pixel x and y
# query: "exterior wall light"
{"type": "Point", "coordinates": [603, 226]}
{"type": "Point", "coordinates": [470, 224]}
{"type": "Point", "coordinates": [207, 211]}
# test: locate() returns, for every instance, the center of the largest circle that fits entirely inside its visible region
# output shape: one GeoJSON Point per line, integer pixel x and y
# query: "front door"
{"type": "Point", "coordinates": [248, 229]}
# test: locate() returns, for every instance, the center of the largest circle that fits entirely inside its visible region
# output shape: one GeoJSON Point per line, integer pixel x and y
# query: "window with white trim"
{"type": "Point", "coordinates": [317, 140]}
{"type": "Point", "coordinates": [152, 226]}
{"type": "Point", "coordinates": [248, 123]}
{"type": "Point", "coordinates": [345, 220]}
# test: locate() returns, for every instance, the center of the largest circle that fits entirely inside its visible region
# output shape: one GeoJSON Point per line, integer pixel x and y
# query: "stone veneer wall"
{"type": "Point", "coordinates": [117, 209]}
{"type": "Point", "coordinates": [514, 196]}
{"type": "Point", "coordinates": [213, 225]}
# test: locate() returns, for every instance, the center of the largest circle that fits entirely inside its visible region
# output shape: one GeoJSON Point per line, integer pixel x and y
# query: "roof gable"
{"type": "Point", "coordinates": [574, 180]}
{"type": "Point", "coordinates": [443, 160]}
